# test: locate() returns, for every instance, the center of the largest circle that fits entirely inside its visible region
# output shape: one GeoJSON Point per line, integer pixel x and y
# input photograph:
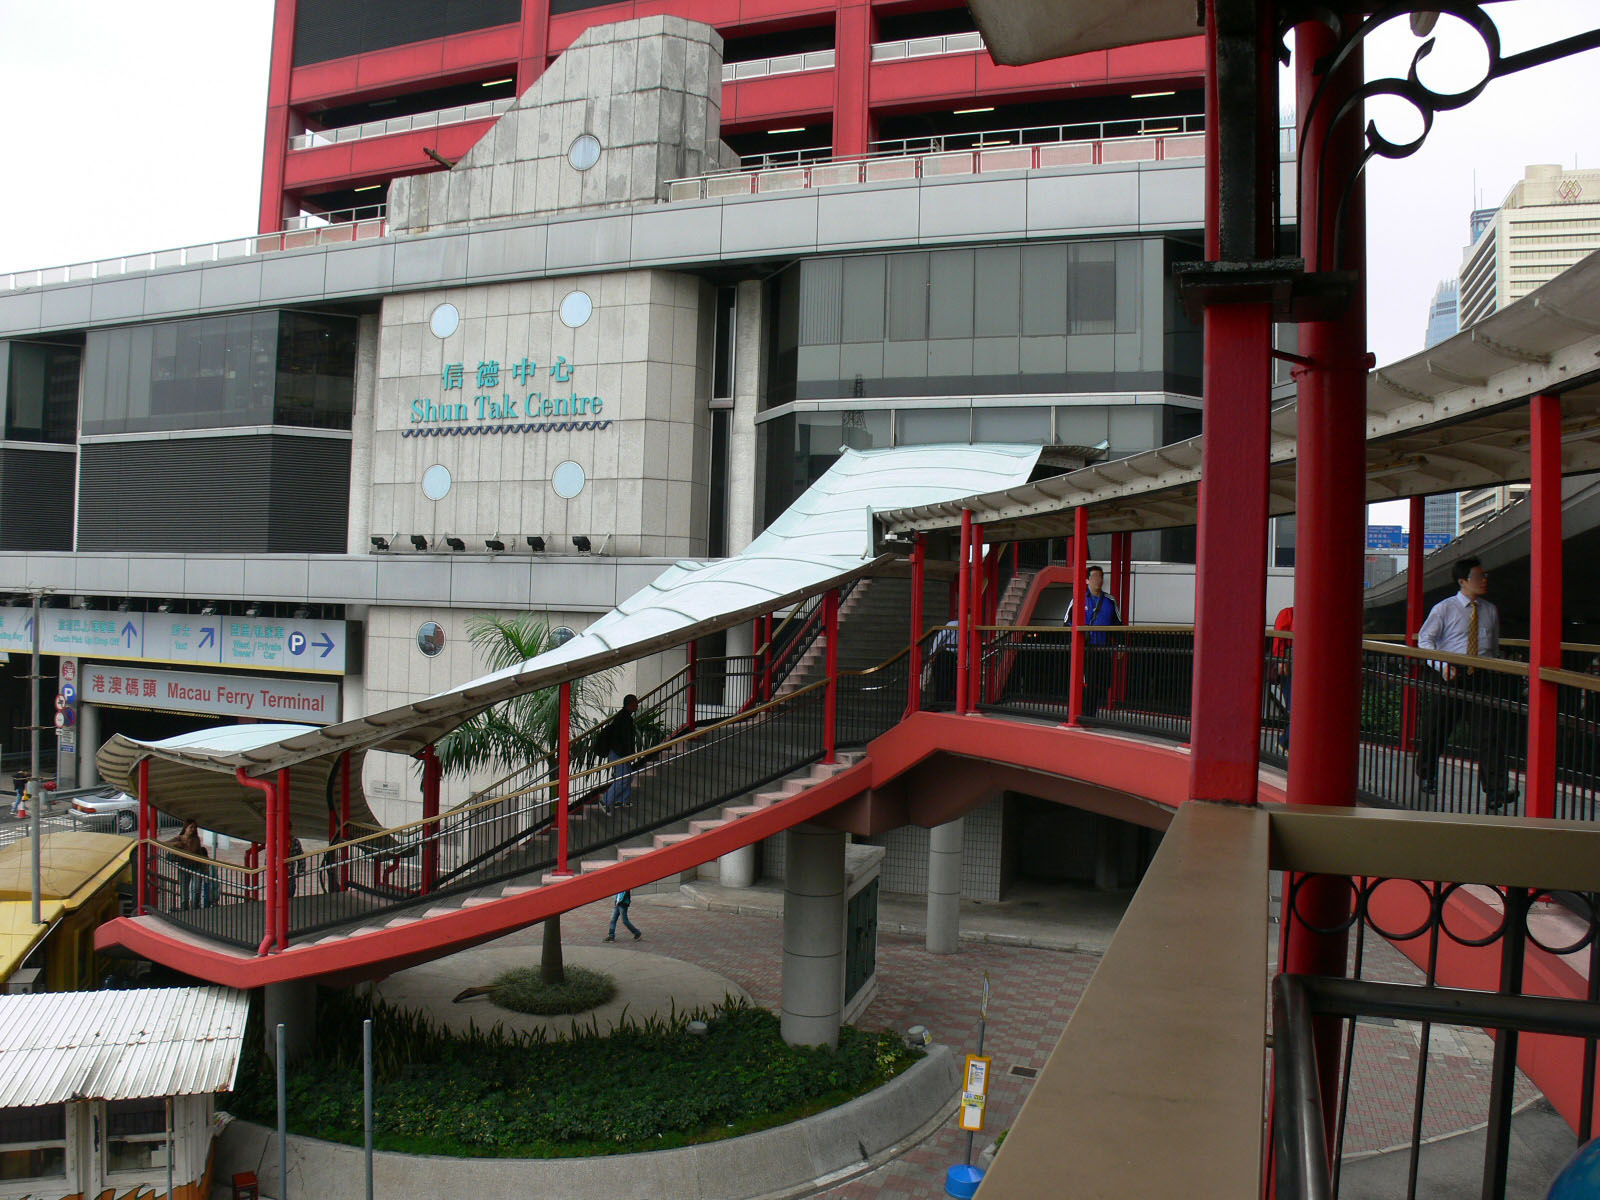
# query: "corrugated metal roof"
{"type": "Point", "coordinates": [122, 1045]}
{"type": "Point", "coordinates": [822, 540]}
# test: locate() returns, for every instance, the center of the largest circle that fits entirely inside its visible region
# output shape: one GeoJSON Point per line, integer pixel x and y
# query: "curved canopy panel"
{"type": "Point", "coordinates": [1450, 418]}
{"type": "Point", "coordinates": [219, 802]}
{"type": "Point", "coordinates": [824, 539]}
{"type": "Point", "coordinates": [1018, 32]}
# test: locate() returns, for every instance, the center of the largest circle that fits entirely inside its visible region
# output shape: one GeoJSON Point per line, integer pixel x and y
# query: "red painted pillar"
{"type": "Point", "coordinates": [1416, 549]}
{"type": "Point", "coordinates": [1122, 587]}
{"type": "Point", "coordinates": [276, 149]}
{"type": "Point", "coordinates": [146, 823]}
{"type": "Point", "coordinates": [692, 675]}
{"type": "Point", "coordinates": [1544, 603]}
{"type": "Point", "coordinates": [285, 832]}
{"type": "Point", "coordinates": [963, 610]}
{"type": "Point", "coordinates": [563, 774]}
{"type": "Point", "coordinates": [431, 774]}
{"type": "Point", "coordinates": [535, 43]}
{"type": "Point", "coordinates": [344, 818]}
{"type": "Point", "coordinates": [975, 597]}
{"type": "Point", "coordinates": [764, 635]}
{"type": "Point", "coordinates": [1331, 511]}
{"type": "Point", "coordinates": [852, 54]}
{"type": "Point", "coordinates": [252, 859]}
{"type": "Point", "coordinates": [919, 575]}
{"type": "Point", "coordinates": [1080, 588]}
{"type": "Point", "coordinates": [1231, 573]}
{"type": "Point", "coordinates": [830, 712]}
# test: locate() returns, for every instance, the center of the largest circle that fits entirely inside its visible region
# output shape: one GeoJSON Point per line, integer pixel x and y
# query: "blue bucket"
{"type": "Point", "coordinates": [961, 1181]}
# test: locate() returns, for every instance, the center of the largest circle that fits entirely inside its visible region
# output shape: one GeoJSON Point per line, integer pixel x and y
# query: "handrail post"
{"type": "Point", "coordinates": [919, 567]}
{"type": "Point", "coordinates": [432, 772]}
{"type": "Point", "coordinates": [690, 689]}
{"type": "Point", "coordinates": [1080, 586]}
{"type": "Point", "coordinates": [344, 818]}
{"type": "Point", "coordinates": [285, 832]}
{"type": "Point", "coordinates": [976, 596]}
{"type": "Point", "coordinates": [1415, 550]}
{"type": "Point", "coordinates": [142, 882]}
{"type": "Point", "coordinates": [564, 772]}
{"type": "Point", "coordinates": [766, 657]}
{"type": "Point", "coordinates": [830, 716]}
{"type": "Point", "coordinates": [963, 612]}
{"type": "Point", "coordinates": [269, 897]}
{"type": "Point", "coordinates": [1544, 648]}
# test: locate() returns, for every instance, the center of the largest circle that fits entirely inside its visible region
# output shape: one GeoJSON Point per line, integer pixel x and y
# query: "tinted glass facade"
{"type": "Point", "coordinates": [325, 29]}
{"type": "Point", "coordinates": [41, 391]}
{"type": "Point", "coordinates": [994, 320]}
{"type": "Point", "coordinates": [263, 368]}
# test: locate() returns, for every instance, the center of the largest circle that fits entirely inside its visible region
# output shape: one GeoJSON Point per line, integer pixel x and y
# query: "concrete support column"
{"type": "Point", "coordinates": [737, 869]}
{"type": "Point", "coordinates": [88, 743]}
{"type": "Point", "coordinates": [365, 400]}
{"type": "Point", "coordinates": [944, 886]}
{"type": "Point", "coordinates": [294, 1004]}
{"type": "Point", "coordinates": [745, 445]}
{"type": "Point", "coordinates": [813, 936]}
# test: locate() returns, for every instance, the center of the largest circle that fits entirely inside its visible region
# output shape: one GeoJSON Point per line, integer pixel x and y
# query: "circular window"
{"type": "Point", "coordinates": [584, 151]}
{"type": "Point", "coordinates": [430, 638]}
{"type": "Point", "coordinates": [446, 320]}
{"type": "Point", "coordinates": [561, 635]}
{"type": "Point", "coordinates": [568, 479]}
{"type": "Point", "coordinates": [436, 482]}
{"type": "Point", "coordinates": [576, 309]}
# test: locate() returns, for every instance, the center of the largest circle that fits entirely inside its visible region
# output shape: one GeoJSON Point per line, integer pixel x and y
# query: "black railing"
{"type": "Point", "coordinates": [219, 899]}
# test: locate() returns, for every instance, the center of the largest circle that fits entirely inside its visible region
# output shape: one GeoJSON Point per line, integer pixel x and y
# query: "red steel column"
{"type": "Point", "coordinates": [535, 43]}
{"type": "Point", "coordinates": [1331, 513]}
{"type": "Point", "coordinates": [852, 43]}
{"type": "Point", "coordinates": [1080, 588]}
{"type": "Point", "coordinates": [764, 636]}
{"type": "Point", "coordinates": [1416, 548]}
{"type": "Point", "coordinates": [563, 772]}
{"type": "Point", "coordinates": [919, 573]}
{"type": "Point", "coordinates": [344, 818]}
{"type": "Point", "coordinates": [275, 149]}
{"type": "Point", "coordinates": [142, 880]}
{"type": "Point", "coordinates": [830, 714]}
{"type": "Point", "coordinates": [1231, 573]}
{"type": "Point", "coordinates": [1545, 603]}
{"type": "Point", "coordinates": [975, 597]}
{"type": "Point", "coordinates": [431, 773]}
{"type": "Point", "coordinates": [285, 832]}
{"type": "Point", "coordinates": [963, 610]}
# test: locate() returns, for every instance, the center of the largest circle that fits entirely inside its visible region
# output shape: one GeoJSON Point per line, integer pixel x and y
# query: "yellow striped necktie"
{"type": "Point", "coordinates": [1472, 630]}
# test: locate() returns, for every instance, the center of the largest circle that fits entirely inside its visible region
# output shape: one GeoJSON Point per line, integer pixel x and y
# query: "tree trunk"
{"type": "Point", "coordinates": [551, 968]}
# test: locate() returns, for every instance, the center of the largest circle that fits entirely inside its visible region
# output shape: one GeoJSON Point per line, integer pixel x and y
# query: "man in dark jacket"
{"type": "Point", "coordinates": [1099, 610]}
{"type": "Point", "coordinates": [619, 739]}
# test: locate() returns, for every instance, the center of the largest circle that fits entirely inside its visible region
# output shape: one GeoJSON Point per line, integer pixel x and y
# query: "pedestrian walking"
{"type": "Point", "coordinates": [618, 740]}
{"type": "Point", "coordinates": [619, 912]}
{"type": "Point", "coordinates": [1465, 623]}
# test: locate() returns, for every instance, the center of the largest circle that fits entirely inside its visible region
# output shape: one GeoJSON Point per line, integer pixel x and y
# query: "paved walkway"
{"type": "Point", "coordinates": [1039, 949]}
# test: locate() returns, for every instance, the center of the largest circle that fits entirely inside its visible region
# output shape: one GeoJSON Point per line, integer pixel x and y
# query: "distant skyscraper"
{"type": "Point", "coordinates": [1443, 313]}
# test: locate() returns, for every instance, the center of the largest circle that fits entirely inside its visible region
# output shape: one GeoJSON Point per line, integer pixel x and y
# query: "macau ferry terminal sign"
{"type": "Point", "coordinates": [485, 413]}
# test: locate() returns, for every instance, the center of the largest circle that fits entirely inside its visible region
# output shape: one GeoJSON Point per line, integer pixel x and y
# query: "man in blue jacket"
{"type": "Point", "coordinates": [1099, 609]}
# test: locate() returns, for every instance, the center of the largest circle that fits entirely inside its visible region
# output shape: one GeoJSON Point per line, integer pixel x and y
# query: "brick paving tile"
{"type": "Point", "coordinates": [1033, 993]}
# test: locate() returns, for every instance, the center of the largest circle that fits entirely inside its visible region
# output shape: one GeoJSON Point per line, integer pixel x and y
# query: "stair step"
{"type": "Point", "coordinates": [517, 889]}
{"type": "Point", "coordinates": [474, 901]}
{"type": "Point", "coordinates": [399, 921]}
{"type": "Point", "coordinates": [663, 840]}
{"type": "Point", "coordinates": [705, 825]}
{"type": "Point", "coordinates": [596, 864]}
{"type": "Point", "coordinates": [735, 812]}
{"type": "Point", "coordinates": [624, 853]}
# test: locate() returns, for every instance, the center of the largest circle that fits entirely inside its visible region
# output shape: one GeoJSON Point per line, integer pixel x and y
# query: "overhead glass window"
{"type": "Point", "coordinates": [1026, 425]}
{"type": "Point", "coordinates": [42, 392]}
{"type": "Point", "coordinates": [919, 427]}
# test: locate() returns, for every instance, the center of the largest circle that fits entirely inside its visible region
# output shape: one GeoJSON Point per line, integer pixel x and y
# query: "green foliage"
{"type": "Point", "coordinates": [1381, 712]}
{"type": "Point", "coordinates": [645, 1085]}
{"type": "Point", "coordinates": [522, 990]}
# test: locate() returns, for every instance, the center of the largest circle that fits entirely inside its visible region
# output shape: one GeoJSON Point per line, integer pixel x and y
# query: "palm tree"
{"type": "Point", "coordinates": [520, 732]}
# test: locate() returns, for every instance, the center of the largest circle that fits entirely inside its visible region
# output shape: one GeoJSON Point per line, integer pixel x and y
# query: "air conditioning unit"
{"type": "Point", "coordinates": [24, 982]}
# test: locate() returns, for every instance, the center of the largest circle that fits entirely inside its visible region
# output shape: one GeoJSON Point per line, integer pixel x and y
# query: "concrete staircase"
{"type": "Point", "coordinates": [1013, 597]}
{"type": "Point", "coordinates": [874, 626]}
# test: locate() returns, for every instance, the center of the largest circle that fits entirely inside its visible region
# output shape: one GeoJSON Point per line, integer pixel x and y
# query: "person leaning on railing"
{"type": "Point", "coordinates": [1465, 623]}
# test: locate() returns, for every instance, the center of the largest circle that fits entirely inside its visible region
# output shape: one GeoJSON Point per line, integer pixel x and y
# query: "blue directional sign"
{"type": "Point", "coordinates": [213, 640]}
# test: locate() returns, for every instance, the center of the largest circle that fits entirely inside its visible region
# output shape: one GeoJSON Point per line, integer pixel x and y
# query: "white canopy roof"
{"type": "Point", "coordinates": [824, 539]}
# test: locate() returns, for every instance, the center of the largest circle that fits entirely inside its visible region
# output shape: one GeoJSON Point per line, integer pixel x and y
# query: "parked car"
{"type": "Point", "coordinates": [103, 807]}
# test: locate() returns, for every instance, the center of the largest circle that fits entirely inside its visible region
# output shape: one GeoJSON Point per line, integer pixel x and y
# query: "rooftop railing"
{"type": "Point", "coordinates": [926, 47]}
{"type": "Point", "coordinates": [457, 115]}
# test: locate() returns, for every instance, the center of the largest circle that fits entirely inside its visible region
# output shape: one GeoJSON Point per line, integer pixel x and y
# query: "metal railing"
{"type": "Point", "coordinates": [783, 64]}
{"type": "Point", "coordinates": [969, 42]}
{"type": "Point", "coordinates": [350, 225]}
{"type": "Point", "coordinates": [456, 115]}
{"type": "Point", "coordinates": [997, 153]}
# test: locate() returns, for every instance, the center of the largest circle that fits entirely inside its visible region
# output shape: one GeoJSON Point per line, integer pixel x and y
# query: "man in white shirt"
{"type": "Point", "coordinates": [1465, 623]}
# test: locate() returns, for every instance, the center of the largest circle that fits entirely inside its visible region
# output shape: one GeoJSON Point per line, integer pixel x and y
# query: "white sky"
{"type": "Point", "coordinates": [138, 126]}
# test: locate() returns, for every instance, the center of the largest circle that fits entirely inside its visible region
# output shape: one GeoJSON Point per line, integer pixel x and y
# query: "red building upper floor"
{"type": "Point", "coordinates": [363, 91]}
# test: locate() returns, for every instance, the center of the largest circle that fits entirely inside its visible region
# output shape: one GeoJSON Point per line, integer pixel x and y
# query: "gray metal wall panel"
{"type": "Point", "coordinates": [36, 499]}
{"type": "Point", "coordinates": [269, 494]}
